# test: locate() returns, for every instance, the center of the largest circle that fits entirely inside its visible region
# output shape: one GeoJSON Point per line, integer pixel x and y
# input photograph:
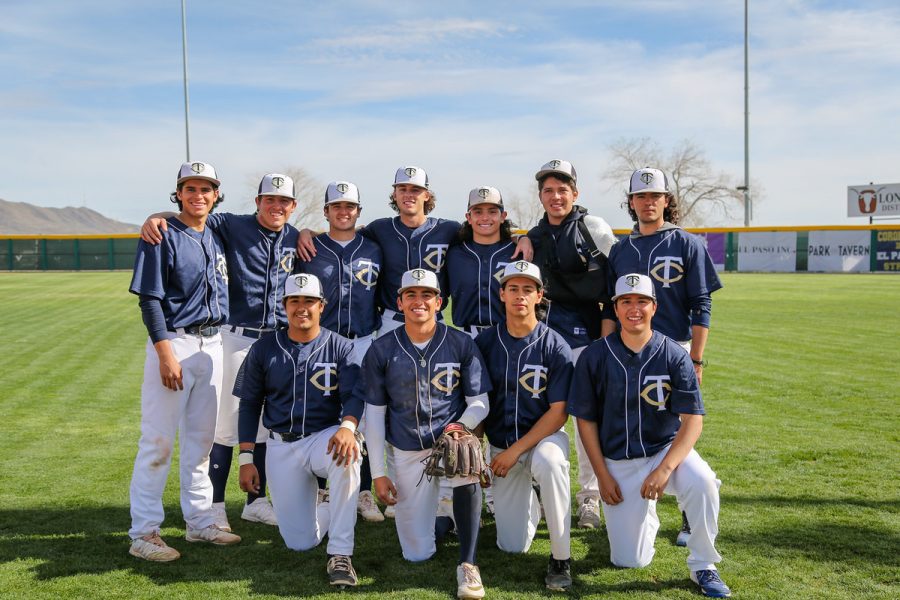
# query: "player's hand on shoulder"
{"type": "Point", "coordinates": [249, 478]}
{"type": "Point", "coordinates": [523, 249]}
{"type": "Point", "coordinates": [343, 448]}
{"type": "Point", "coordinates": [306, 249]}
{"type": "Point", "coordinates": [151, 230]}
{"type": "Point", "coordinates": [609, 489]}
{"type": "Point", "coordinates": [385, 490]}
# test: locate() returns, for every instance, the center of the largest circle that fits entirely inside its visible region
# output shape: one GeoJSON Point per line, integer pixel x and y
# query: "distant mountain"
{"type": "Point", "coordinates": [27, 219]}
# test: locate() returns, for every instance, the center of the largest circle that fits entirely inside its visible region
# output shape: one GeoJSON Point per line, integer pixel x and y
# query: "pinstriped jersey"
{"type": "Point", "coordinates": [474, 271]}
{"type": "Point", "coordinates": [405, 248]}
{"type": "Point", "coordinates": [260, 260]}
{"type": "Point", "coordinates": [187, 273]}
{"type": "Point", "coordinates": [349, 276]}
{"type": "Point", "coordinates": [682, 272]}
{"type": "Point", "coordinates": [300, 388]}
{"type": "Point", "coordinates": [527, 375]}
{"type": "Point", "coordinates": [424, 390]}
{"type": "Point", "coordinates": [635, 399]}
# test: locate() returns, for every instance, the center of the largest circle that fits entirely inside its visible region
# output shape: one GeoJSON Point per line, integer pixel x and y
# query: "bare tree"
{"type": "Point", "coordinates": [309, 191]}
{"type": "Point", "coordinates": [705, 197]}
{"type": "Point", "coordinates": [524, 211]}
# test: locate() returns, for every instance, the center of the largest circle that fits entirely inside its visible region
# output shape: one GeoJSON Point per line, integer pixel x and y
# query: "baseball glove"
{"type": "Point", "coordinates": [457, 453]}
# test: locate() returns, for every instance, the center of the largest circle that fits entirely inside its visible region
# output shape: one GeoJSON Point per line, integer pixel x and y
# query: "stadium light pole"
{"type": "Point", "coordinates": [746, 186]}
{"type": "Point", "coordinates": [187, 118]}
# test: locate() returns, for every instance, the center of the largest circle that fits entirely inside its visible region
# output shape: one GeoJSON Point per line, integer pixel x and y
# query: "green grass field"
{"type": "Point", "coordinates": [802, 428]}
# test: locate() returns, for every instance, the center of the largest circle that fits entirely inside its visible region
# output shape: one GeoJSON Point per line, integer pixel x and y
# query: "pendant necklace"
{"type": "Point", "coordinates": [422, 362]}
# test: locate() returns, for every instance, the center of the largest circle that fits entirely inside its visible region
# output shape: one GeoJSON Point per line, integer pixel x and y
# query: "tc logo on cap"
{"type": "Point", "coordinates": [521, 265]}
{"type": "Point", "coordinates": [277, 182]}
{"type": "Point", "coordinates": [418, 274]}
{"type": "Point", "coordinates": [301, 280]}
{"type": "Point", "coordinates": [197, 167]}
{"type": "Point", "coordinates": [484, 193]}
{"type": "Point", "coordinates": [410, 172]}
{"type": "Point", "coordinates": [647, 178]}
{"type": "Point", "coordinates": [342, 188]}
{"type": "Point", "coordinates": [632, 280]}
{"type": "Point", "coordinates": [553, 164]}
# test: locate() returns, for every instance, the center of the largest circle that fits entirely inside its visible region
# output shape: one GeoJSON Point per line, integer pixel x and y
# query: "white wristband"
{"type": "Point", "coordinates": [349, 425]}
{"type": "Point", "coordinates": [245, 458]}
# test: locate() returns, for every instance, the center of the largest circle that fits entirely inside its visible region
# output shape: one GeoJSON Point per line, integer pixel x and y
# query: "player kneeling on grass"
{"type": "Point", "coordinates": [530, 370]}
{"type": "Point", "coordinates": [301, 379]}
{"type": "Point", "coordinates": [422, 381]}
{"type": "Point", "coordinates": [638, 407]}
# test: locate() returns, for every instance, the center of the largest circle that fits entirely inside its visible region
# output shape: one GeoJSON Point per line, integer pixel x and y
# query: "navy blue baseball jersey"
{"type": "Point", "coordinates": [300, 388]}
{"type": "Point", "coordinates": [259, 260]}
{"type": "Point", "coordinates": [187, 273]}
{"type": "Point", "coordinates": [682, 272]}
{"type": "Point", "coordinates": [474, 272]}
{"type": "Point", "coordinates": [527, 375]}
{"type": "Point", "coordinates": [404, 248]}
{"type": "Point", "coordinates": [424, 390]}
{"type": "Point", "coordinates": [635, 399]}
{"type": "Point", "coordinates": [349, 276]}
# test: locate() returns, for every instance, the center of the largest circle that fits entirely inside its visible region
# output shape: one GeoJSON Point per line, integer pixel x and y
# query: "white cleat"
{"type": "Point", "coordinates": [367, 508]}
{"type": "Point", "coordinates": [152, 547]}
{"type": "Point", "coordinates": [213, 535]}
{"type": "Point", "coordinates": [468, 582]}
{"type": "Point", "coordinates": [260, 511]}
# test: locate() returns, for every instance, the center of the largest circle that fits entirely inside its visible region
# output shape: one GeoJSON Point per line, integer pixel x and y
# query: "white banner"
{"type": "Point", "coordinates": [874, 200]}
{"type": "Point", "coordinates": [767, 251]}
{"type": "Point", "coordinates": [839, 251]}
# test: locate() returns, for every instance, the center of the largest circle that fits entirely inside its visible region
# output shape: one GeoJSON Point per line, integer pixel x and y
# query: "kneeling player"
{"type": "Point", "coordinates": [531, 369]}
{"type": "Point", "coordinates": [302, 378]}
{"type": "Point", "coordinates": [637, 402]}
{"type": "Point", "coordinates": [419, 380]}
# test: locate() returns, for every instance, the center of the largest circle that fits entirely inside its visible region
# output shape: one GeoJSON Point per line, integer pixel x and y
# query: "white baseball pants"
{"type": "Point", "coordinates": [191, 413]}
{"type": "Point", "coordinates": [234, 348]}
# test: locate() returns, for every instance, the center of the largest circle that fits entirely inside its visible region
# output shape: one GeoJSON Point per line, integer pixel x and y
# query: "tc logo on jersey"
{"type": "Point", "coordinates": [367, 273]}
{"type": "Point", "coordinates": [501, 266]}
{"type": "Point", "coordinates": [288, 256]}
{"type": "Point", "coordinates": [324, 377]}
{"type": "Point", "coordinates": [435, 258]}
{"type": "Point", "coordinates": [446, 378]}
{"type": "Point", "coordinates": [656, 391]}
{"type": "Point", "coordinates": [534, 379]}
{"type": "Point", "coordinates": [668, 271]}
{"type": "Point", "coordinates": [222, 267]}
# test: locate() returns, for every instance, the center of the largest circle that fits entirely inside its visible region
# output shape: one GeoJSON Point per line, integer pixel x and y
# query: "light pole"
{"type": "Point", "coordinates": [187, 118]}
{"type": "Point", "coordinates": [746, 186]}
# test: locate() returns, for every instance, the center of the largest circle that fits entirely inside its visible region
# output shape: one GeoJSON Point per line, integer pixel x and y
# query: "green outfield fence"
{"type": "Point", "coordinates": [821, 248]}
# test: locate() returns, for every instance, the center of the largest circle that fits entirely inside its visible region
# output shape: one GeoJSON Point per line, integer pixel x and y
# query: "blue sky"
{"type": "Point", "coordinates": [477, 93]}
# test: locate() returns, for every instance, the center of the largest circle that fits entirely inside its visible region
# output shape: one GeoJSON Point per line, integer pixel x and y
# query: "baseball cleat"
{"type": "Point", "coordinates": [213, 535]}
{"type": "Point", "coordinates": [685, 534]}
{"type": "Point", "coordinates": [367, 508]}
{"type": "Point", "coordinates": [321, 496]}
{"type": "Point", "coordinates": [152, 547]}
{"type": "Point", "coordinates": [390, 512]}
{"type": "Point", "coordinates": [340, 571]}
{"type": "Point", "coordinates": [711, 585]}
{"type": "Point", "coordinates": [220, 516]}
{"type": "Point", "coordinates": [468, 582]}
{"type": "Point", "coordinates": [559, 575]}
{"type": "Point", "coordinates": [259, 511]}
{"type": "Point", "coordinates": [589, 514]}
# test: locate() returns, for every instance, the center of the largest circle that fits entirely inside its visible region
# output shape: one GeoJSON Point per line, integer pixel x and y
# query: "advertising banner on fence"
{"type": "Point", "coordinates": [715, 244]}
{"type": "Point", "coordinates": [839, 251]}
{"type": "Point", "coordinates": [887, 250]}
{"type": "Point", "coordinates": [767, 251]}
{"type": "Point", "coordinates": [874, 200]}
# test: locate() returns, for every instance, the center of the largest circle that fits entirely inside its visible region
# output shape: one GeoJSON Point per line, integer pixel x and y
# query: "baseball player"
{"type": "Point", "coordinates": [679, 265]}
{"type": "Point", "coordinates": [260, 249]}
{"type": "Point", "coordinates": [637, 403]}
{"type": "Point", "coordinates": [474, 265]}
{"type": "Point", "coordinates": [348, 265]}
{"type": "Point", "coordinates": [562, 250]}
{"type": "Point", "coordinates": [301, 379]}
{"type": "Point", "coordinates": [530, 366]}
{"type": "Point", "coordinates": [418, 380]}
{"type": "Point", "coordinates": [182, 284]}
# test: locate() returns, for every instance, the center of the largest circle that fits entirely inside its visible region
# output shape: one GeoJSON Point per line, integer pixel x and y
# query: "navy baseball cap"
{"type": "Point", "coordinates": [197, 170]}
{"type": "Point", "coordinates": [556, 166]}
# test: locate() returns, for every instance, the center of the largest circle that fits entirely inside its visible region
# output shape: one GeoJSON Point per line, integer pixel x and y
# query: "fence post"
{"type": "Point", "coordinates": [112, 254]}
{"type": "Point", "coordinates": [42, 245]}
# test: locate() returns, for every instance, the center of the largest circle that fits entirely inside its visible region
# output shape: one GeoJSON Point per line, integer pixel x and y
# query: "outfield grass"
{"type": "Point", "coordinates": [802, 398]}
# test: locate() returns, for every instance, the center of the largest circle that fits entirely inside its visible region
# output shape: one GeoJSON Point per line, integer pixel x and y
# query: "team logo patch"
{"type": "Point", "coordinates": [647, 178]}
{"type": "Point", "coordinates": [197, 167]}
{"type": "Point", "coordinates": [656, 391]}
{"type": "Point", "coordinates": [521, 266]}
{"type": "Point", "coordinates": [534, 379]}
{"type": "Point", "coordinates": [324, 377]}
{"type": "Point", "coordinates": [418, 274]}
{"type": "Point", "coordinates": [342, 188]}
{"type": "Point", "coordinates": [287, 260]}
{"type": "Point", "coordinates": [554, 164]}
{"type": "Point", "coordinates": [446, 377]}
{"type": "Point", "coordinates": [484, 193]}
{"type": "Point", "coordinates": [501, 267]}
{"type": "Point", "coordinates": [277, 182]}
{"type": "Point", "coordinates": [668, 270]}
{"type": "Point", "coordinates": [301, 281]}
{"type": "Point", "coordinates": [632, 280]}
{"type": "Point", "coordinates": [410, 172]}
{"type": "Point", "coordinates": [367, 272]}
{"type": "Point", "coordinates": [222, 267]}
{"type": "Point", "coordinates": [435, 258]}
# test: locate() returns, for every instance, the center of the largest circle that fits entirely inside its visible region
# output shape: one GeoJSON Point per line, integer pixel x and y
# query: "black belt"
{"type": "Point", "coordinates": [248, 332]}
{"type": "Point", "coordinates": [201, 330]}
{"type": "Point", "coordinates": [287, 436]}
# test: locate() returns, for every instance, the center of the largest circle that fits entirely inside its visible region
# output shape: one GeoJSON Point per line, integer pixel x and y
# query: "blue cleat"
{"type": "Point", "coordinates": [711, 585]}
